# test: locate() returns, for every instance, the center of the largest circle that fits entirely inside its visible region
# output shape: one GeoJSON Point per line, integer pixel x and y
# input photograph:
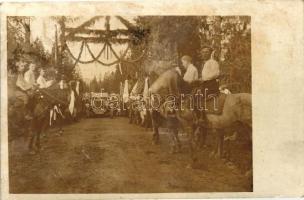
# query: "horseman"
{"type": "Point", "coordinates": [209, 83]}
{"type": "Point", "coordinates": [210, 71]}
{"type": "Point", "coordinates": [41, 80]}
{"type": "Point", "coordinates": [24, 90]}
{"type": "Point", "coordinates": [29, 75]}
{"type": "Point", "coordinates": [191, 73]}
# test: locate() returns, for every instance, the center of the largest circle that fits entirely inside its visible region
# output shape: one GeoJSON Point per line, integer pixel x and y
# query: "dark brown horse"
{"type": "Point", "coordinates": [43, 101]}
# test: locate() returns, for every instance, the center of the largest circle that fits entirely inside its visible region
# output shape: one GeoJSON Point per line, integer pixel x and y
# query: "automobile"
{"type": "Point", "coordinates": [99, 103]}
{"type": "Point", "coordinates": [114, 105]}
{"type": "Point", "coordinates": [95, 103]}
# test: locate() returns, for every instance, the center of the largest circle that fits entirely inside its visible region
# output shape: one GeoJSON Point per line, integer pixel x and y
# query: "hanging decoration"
{"type": "Point", "coordinates": [108, 37]}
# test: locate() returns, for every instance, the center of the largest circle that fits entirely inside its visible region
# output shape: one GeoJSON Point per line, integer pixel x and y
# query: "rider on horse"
{"type": "Point", "coordinates": [24, 90]}
{"type": "Point", "coordinates": [209, 83]}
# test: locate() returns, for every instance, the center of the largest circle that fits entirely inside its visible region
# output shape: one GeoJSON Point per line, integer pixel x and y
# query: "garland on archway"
{"type": "Point", "coordinates": [120, 59]}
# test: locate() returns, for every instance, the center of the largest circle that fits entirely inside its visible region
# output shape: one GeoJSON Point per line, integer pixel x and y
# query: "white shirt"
{"type": "Point", "coordinates": [191, 74]}
{"type": "Point", "coordinates": [211, 70]}
{"type": "Point", "coordinates": [43, 83]}
{"type": "Point", "coordinates": [29, 77]}
{"type": "Point", "coordinates": [21, 83]}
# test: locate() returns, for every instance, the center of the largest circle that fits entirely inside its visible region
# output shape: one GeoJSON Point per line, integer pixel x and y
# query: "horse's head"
{"type": "Point", "coordinates": [161, 82]}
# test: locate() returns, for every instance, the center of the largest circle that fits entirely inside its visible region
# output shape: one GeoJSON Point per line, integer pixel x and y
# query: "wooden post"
{"type": "Point", "coordinates": [61, 46]}
{"type": "Point", "coordinates": [56, 48]}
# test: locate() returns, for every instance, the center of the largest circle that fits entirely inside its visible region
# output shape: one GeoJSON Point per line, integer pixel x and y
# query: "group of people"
{"type": "Point", "coordinates": [208, 79]}
{"type": "Point", "coordinates": [210, 69]}
{"type": "Point", "coordinates": [28, 83]}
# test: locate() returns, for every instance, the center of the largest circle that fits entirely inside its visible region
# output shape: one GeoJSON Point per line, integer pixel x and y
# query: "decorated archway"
{"type": "Point", "coordinates": [105, 38]}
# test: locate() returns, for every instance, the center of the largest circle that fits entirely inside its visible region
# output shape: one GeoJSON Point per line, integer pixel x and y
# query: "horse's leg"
{"type": "Point", "coordinates": [130, 116]}
{"type": "Point", "coordinates": [31, 140]}
{"type": "Point", "coordinates": [60, 122]}
{"type": "Point", "coordinates": [178, 143]}
{"type": "Point", "coordinates": [192, 149]}
{"type": "Point", "coordinates": [155, 137]}
{"type": "Point", "coordinates": [172, 141]}
{"type": "Point", "coordinates": [203, 137]}
{"type": "Point", "coordinates": [37, 144]}
{"type": "Point", "coordinates": [44, 125]}
{"type": "Point", "coordinates": [228, 150]}
{"type": "Point", "coordinates": [40, 128]}
{"type": "Point", "coordinates": [219, 143]}
{"type": "Point", "coordinates": [32, 135]}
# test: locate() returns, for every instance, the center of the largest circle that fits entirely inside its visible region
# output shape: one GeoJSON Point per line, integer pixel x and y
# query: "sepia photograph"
{"type": "Point", "coordinates": [152, 99]}
{"type": "Point", "coordinates": [129, 104]}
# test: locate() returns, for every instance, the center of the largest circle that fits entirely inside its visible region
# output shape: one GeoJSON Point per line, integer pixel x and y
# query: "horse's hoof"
{"type": "Point", "coordinates": [155, 142]}
{"type": "Point", "coordinates": [248, 173]}
{"type": "Point", "coordinates": [199, 165]}
{"type": "Point", "coordinates": [230, 165]}
{"type": "Point", "coordinates": [32, 152]}
{"type": "Point", "coordinates": [178, 151]}
{"type": "Point", "coordinates": [217, 156]}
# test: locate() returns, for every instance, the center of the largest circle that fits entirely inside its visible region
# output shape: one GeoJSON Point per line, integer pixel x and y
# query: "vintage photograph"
{"type": "Point", "coordinates": [129, 104]}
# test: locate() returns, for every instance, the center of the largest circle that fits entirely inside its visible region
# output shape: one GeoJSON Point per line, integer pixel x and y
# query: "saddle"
{"type": "Point", "coordinates": [215, 105]}
{"type": "Point", "coordinates": [213, 100]}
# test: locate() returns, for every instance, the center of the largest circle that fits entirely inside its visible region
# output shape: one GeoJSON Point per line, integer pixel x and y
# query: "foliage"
{"type": "Point", "coordinates": [171, 37]}
{"type": "Point", "coordinates": [107, 84]}
{"type": "Point", "coordinates": [231, 39]}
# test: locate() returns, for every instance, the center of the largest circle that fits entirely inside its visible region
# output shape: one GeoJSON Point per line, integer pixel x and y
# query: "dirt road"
{"type": "Point", "coordinates": [103, 155]}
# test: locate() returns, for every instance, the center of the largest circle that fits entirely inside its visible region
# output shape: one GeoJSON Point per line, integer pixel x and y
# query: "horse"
{"type": "Point", "coordinates": [236, 109]}
{"type": "Point", "coordinates": [43, 101]}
